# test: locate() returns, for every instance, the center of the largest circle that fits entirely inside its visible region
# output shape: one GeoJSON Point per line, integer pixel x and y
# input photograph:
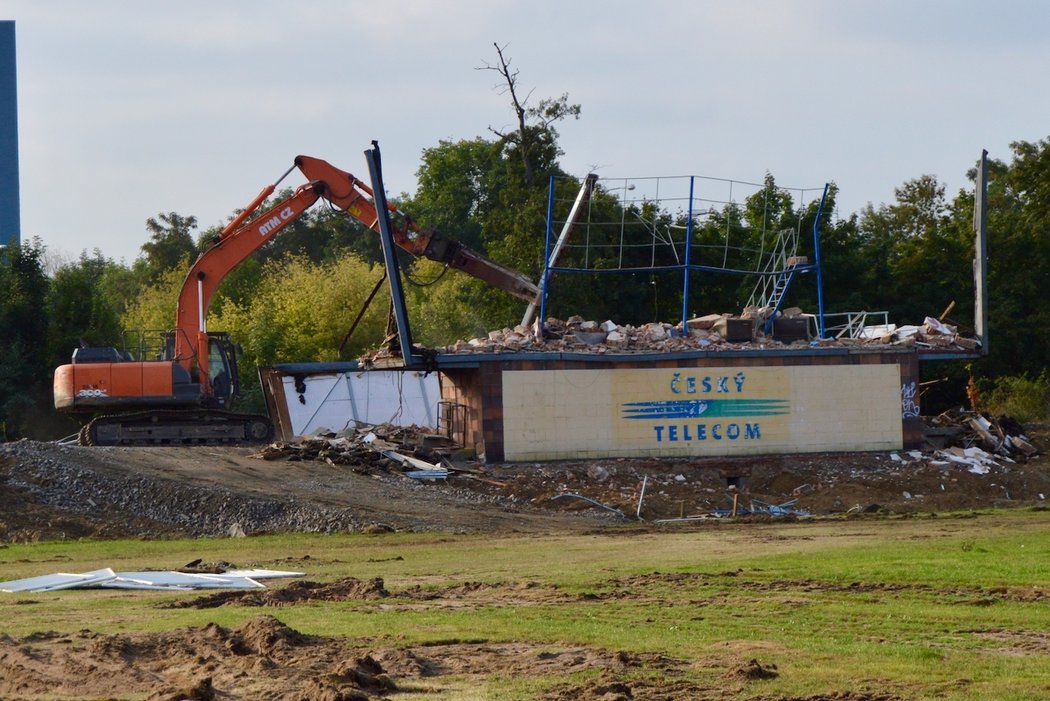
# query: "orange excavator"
{"type": "Point", "coordinates": [183, 394]}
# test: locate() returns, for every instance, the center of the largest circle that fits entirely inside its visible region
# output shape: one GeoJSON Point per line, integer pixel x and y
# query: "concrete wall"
{"type": "Point", "coordinates": [562, 414]}
{"type": "Point", "coordinates": [304, 400]}
{"type": "Point", "coordinates": [690, 406]}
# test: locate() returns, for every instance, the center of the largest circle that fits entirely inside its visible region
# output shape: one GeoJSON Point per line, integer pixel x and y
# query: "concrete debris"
{"type": "Point", "coordinates": [793, 328]}
{"type": "Point", "coordinates": [412, 449]}
{"type": "Point", "coordinates": [1001, 436]}
{"type": "Point", "coordinates": [972, 441]}
{"type": "Point", "coordinates": [976, 460]}
{"type": "Point", "coordinates": [598, 473]}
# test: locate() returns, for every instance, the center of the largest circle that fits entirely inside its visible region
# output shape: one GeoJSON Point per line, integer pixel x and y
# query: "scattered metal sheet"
{"type": "Point", "coordinates": [165, 580]}
{"type": "Point", "coordinates": [60, 580]}
{"type": "Point", "coordinates": [106, 578]}
{"type": "Point", "coordinates": [573, 495]}
{"type": "Point", "coordinates": [427, 474]}
{"type": "Point", "coordinates": [785, 509]}
{"type": "Point", "coordinates": [263, 574]}
{"type": "Point", "coordinates": [411, 461]}
{"type": "Point", "coordinates": [761, 508]}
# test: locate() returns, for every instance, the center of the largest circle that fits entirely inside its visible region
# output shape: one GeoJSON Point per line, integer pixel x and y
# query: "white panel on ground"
{"type": "Point", "coordinates": [263, 574]}
{"type": "Point", "coordinates": [157, 580]}
{"type": "Point", "coordinates": [335, 402]}
{"type": "Point", "coordinates": [61, 580]}
{"type": "Point", "coordinates": [181, 580]}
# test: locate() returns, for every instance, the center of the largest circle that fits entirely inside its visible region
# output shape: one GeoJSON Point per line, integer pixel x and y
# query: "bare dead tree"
{"type": "Point", "coordinates": [545, 114]}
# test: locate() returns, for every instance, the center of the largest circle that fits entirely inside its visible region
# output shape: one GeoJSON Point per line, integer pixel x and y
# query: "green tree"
{"type": "Point", "coordinates": [301, 311]}
{"type": "Point", "coordinates": [491, 195]}
{"type": "Point", "coordinates": [1019, 260]}
{"type": "Point", "coordinates": [80, 313]}
{"type": "Point", "coordinates": [436, 310]}
{"type": "Point", "coordinates": [932, 262]}
{"type": "Point", "coordinates": [171, 245]}
{"type": "Point", "coordinates": [154, 307]}
{"type": "Point", "coordinates": [457, 187]}
{"type": "Point", "coordinates": [913, 254]}
{"type": "Point", "coordinates": [24, 371]}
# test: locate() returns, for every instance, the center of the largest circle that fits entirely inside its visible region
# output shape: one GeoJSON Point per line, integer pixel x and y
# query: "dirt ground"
{"type": "Point", "coordinates": [263, 658]}
{"type": "Point", "coordinates": [52, 491]}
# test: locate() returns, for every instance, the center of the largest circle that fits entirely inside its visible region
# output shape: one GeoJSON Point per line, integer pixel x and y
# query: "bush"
{"type": "Point", "coordinates": [1023, 398]}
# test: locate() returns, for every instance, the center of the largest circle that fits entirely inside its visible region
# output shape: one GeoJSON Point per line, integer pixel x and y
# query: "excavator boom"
{"type": "Point", "coordinates": [183, 395]}
{"type": "Point", "coordinates": [357, 199]}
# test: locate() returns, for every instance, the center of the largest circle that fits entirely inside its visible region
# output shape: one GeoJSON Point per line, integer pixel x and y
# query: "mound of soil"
{"type": "Point", "coordinates": [300, 591]}
{"type": "Point", "coordinates": [263, 658]}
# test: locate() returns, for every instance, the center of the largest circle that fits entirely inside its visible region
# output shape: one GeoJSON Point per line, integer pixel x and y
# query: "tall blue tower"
{"type": "Point", "coordinates": [10, 220]}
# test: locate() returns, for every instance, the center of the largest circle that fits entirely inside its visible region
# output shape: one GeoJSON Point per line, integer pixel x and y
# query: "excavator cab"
{"type": "Point", "coordinates": [222, 385]}
{"type": "Point", "coordinates": [222, 369]}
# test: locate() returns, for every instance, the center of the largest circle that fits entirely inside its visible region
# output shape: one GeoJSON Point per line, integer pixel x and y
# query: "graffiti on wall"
{"type": "Point", "coordinates": [909, 407]}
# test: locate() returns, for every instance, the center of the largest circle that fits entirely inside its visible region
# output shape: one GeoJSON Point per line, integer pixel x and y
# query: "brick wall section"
{"type": "Point", "coordinates": [480, 388]}
{"type": "Point", "coordinates": [463, 387]}
{"type": "Point", "coordinates": [910, 376]}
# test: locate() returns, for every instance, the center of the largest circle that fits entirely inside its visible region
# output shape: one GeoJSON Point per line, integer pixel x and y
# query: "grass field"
{"type": "Point", "coordinates": [946, 607]}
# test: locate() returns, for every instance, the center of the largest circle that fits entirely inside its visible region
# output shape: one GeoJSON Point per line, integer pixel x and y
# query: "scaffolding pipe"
{"type": "Point", "coordinates": [545, 276]}
{"type": "Point", "coordinates": [688, 260]}
{"type": "Point", "coordinates": [582, 198]}
{"type": "Point", "coordinates": [816, 256]}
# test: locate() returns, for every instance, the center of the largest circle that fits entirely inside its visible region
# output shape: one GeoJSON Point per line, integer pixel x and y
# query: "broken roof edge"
{"type": "Point", "coordinates": [929, 355]}
{"type": "Point", "coordinates": [473, 359]}
{"type": "Point", "coordinates": [330, 367]}
{"type": "Point", "coordinates": [466, 360]}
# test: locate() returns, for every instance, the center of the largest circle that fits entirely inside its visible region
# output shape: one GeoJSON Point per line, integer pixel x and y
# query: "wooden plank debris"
{"type": "Point", "coordinates": [413, 450]}
{"type": "Point", "coordinates": [1000, 436]}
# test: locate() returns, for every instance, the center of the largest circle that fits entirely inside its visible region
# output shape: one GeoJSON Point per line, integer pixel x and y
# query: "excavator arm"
{"type": "Point", "coordinates": [240, 238]}
{"type": "Point", "coordinates": [183, 395]}
{"type": "Point", "coordinates": [357, 199]}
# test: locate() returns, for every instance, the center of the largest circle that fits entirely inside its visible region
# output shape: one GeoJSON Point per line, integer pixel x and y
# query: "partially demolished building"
{"type": "Point", "coordinates": [768, 380]}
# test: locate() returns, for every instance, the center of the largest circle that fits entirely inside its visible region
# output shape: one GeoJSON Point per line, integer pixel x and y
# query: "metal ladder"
{"type": "Point", "coordinates": [779, 271]}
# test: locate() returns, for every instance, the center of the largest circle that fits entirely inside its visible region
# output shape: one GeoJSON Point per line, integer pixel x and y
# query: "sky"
{"type": "Point", "coordinates": [131, 109]}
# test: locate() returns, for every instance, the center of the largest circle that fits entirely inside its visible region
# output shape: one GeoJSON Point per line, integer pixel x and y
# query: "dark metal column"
{"type": "Point", "coordinates": [393, 272]}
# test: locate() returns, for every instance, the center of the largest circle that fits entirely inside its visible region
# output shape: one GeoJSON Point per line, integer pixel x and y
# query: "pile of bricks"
{"type": "Point", "coordinates": [711, 332]}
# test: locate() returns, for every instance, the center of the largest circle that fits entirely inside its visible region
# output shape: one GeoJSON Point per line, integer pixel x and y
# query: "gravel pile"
{"type": "Point", "coordinates": [39, 470]}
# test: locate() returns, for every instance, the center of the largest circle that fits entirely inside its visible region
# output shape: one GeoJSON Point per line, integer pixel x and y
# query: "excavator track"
{"type": "Point", "coordinates": [170, 427]}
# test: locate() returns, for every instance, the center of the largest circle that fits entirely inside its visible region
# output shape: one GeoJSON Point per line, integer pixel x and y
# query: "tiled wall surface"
{"type": "Point", "coordinates": [562, 414]}
{"type": "Point", "coordinates": [559, 409]}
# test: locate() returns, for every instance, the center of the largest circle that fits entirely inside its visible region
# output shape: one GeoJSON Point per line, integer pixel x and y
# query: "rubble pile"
{"type": "Point", "coordinates": [966, 454]}
{"type": "Point", "coordinates": [412, 450]}
{"type": "Point", "coordinates": [54, 491]}
{"type": "Point", "coordinates": [712, 332]}
{"type": "Point", "coordinates": [334, 450]}
{"type": "Point", "coordinates": [1002, 436]}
